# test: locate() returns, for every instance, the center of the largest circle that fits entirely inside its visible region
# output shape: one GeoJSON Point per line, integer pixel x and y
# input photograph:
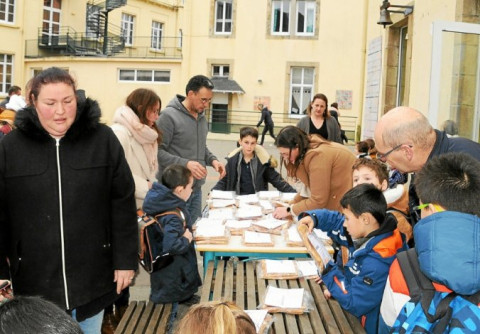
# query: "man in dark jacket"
{"type": "Point", "coordinates": [405, 140]}
{"type": "Point", "coordinates": [68, 217]}
{"type": "Point", "coordinates": [267, 118]}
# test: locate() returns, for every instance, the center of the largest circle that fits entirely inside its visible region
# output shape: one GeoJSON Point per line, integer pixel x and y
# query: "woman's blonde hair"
{"type": "Point", "coordinates": [216, 318]}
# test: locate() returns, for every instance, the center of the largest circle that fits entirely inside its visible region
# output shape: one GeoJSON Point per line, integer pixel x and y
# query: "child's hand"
{"type": "Point", "coordinates": [318, 280]}
{"type": "Point", "coordinates": [188, 235]}
{"type": "Point", "coordinates": [307, 220]}
{"type": "Point", "coordinates": [327, 294]}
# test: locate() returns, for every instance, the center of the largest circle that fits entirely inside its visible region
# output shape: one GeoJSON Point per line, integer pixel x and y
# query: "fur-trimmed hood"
{"type": "Point", "coordinates": [262, 155]}
{"type": "Point", "coordinates": [87, 119]}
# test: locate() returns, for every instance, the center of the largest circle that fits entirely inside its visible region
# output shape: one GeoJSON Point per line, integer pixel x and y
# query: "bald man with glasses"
{"type": "Point", "coordinates": [405, 140]}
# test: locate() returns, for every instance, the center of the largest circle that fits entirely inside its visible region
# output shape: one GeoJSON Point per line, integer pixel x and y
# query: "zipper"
{"type": "Point", "coordinates": [61, 222]}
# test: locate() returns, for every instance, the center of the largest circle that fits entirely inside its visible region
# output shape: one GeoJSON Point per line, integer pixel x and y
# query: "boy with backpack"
{"type": "Point", "coordinates": [435, 287]}
{"type": "Point", "coordinates": [373, 240]}
{"type": "Point", "coordinates": [250, 168]}
{"type": "Point", "coordinates": [178, 281]}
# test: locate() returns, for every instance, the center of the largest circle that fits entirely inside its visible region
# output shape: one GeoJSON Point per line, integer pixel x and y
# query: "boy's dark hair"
{"type": "Point", "coordinates": [371, 143]}
{"type": "Point", "coordinates": [24, 314]}
{"type": "Point", "coordinates": [335, 105]}
{"type": "Point", "coordinates": [378, 167]}
{"type": "Point", "coordinates": [365, 198]}
{"type": "Point", "coordinates": [14, 90]}
{"type": "Point", "coordinates": [362, 147]}
{"type": "Point", "coordinates": [176, 175]}
{"type": "Point", "coordinates": [197, 82]}
{"type": "Point", "coordinates": [451, 180]}
{"type": "Point", "coordinates": [248, 131]}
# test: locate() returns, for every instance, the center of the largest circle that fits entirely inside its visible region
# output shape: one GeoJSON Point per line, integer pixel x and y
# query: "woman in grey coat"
{"type": "Point", "coordinates": [318, 120]}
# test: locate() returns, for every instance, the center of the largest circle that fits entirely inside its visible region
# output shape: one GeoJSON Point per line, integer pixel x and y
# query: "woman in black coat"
{"type": "Point", "coordinates": [68, 217]}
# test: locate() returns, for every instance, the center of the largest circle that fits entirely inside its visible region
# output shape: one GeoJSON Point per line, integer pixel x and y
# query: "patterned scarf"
{"type": "Point", "coordinates": [142, 133]}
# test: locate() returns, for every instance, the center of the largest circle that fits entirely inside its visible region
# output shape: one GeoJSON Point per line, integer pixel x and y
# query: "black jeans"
{"type": "Point", "coordinates": [267, 128]}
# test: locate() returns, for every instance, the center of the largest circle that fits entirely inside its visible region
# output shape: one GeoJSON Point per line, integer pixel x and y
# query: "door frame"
{"type": "Point", "coordinates": [438, 27]}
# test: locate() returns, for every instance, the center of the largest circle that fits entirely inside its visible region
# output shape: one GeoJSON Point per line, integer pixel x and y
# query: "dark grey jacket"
{"type": "Point", "coordinates": [262, 173]}
{"type": "Point", "coordinates": [184, 138]}
{"type": "Point", "coordinates": [334, 133]}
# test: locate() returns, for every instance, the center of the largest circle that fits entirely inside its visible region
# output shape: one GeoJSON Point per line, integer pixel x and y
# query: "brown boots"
{"type": "Point", "coordinates": [109, 323]}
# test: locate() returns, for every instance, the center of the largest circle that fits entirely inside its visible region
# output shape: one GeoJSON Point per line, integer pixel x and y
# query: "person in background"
{"type": "Point", "coordinates": [216, 318]}
{"type": "Point", "coordinates": [361, 147]}
{"type": "Point", "coordinates": [29, 315]}
{"type": "Point", "coordinates": [179, 281]}
{"type": "Point", "coordinates": [373, 239]}
{"type": "Point", "coordinates": [7, 118]}
{"type": "Point", "coordinates": [267, 118]}
{"type": "Point", "coordinates": [13, 90]}
{"type": "Point", "coordinates": [372, 151]}
{"type": "Point", "coordinates": [250, 168]}
{"type": "Point", "coordinates": [318, 120]}
{"type": "Point", "coordinates": [320, 170]}
{"type": "Point", "coordinates": [134, 125]}
{"type": "Point", "coordinates": [68, 218]}
{"type": "Point", "coordinates": [184, 129]}
{"type": "Point", "coordinates": [450, 127]}
{"type": "Point", "coordinates": [336, 113]}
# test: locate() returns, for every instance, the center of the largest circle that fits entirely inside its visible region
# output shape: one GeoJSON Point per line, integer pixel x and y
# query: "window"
{"type": "Point", "coordinates": [280, 17]}
{"type": "Point", "coordinates": [302, 21]}
{"type": "Point", "coordinates": [305, 18]}
{"type": "Point", "coordinates": [127, 28]}
{"type": "Point", "coordinates": [157, 32]}
{"type": "Point", "coordinates": [223, 17]}
{"type": "Point", "coordinates": [7, 10]}
{"type": "Point", "coordinates": [220, 70]}
{"type": "Point", "coordinates": [144, 75]}
{"type": "Point", "coordinates": [301, 88]}
{"type": "Point", "coordinates": [6, 72]}
{"type": "Point", "coordinates": [51, 21]}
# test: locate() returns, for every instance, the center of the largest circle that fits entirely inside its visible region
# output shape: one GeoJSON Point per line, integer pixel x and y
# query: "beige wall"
{"type": "Point", "coordinates": [337, 53]}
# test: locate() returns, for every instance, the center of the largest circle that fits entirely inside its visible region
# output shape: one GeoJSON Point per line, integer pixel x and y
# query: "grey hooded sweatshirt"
{"type": "Point", "coordinates": [184, 138]}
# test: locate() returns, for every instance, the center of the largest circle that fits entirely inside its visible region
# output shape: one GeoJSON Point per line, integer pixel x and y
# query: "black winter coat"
{"type": "Point", "coordinates": [179, 280]}
{"type": "Point", "coordinates": [66, 253]}
{"type": "Point", "coordinates": [262, 173]}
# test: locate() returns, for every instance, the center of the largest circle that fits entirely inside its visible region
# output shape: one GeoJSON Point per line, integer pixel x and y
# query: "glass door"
{"type": "Point", "coordinates": [455, 79]}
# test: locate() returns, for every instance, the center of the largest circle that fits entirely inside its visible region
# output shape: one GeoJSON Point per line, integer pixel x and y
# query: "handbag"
{"type": "Point", "coordinates": [151, 256]}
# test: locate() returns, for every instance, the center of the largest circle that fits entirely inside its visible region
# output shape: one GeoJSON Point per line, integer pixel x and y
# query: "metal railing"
{"type": "Point", "coordinates": [68, 42]}
{"type": "Point", "coordinates": [231, 121]}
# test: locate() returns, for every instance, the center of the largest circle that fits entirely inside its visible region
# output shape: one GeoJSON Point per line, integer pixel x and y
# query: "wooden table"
{"type": "Point", "coordinates": [144, 318]}
{"type": "Point", "coordinates": [243, 286]}
{"type": "Point", "coordinates": [211, 252]}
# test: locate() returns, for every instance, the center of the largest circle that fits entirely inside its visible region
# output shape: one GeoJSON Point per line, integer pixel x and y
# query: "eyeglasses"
{"type": "Point", "coordinates": [205, 100]}
{"type": "Point", "coordinates": [383, 156]}
{"type": "Point", "coordinates": [424, 205]}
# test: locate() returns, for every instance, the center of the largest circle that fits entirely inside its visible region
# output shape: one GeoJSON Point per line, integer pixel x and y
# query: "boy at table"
{"type": "Point", "coordinates": [250, 168]}
{"type": "Point", "coordinates": [446, 239]}
{"type": "Point", "coordinates": [373, 240]}
{"type": "Point", "coordinates": [375, 172]}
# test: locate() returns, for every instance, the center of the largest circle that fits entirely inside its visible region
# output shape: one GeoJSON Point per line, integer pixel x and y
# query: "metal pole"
{"type": "Point", "coordinates": [105, 34]}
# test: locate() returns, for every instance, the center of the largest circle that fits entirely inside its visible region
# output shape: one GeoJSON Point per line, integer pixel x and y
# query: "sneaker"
{"type": "Point", "coordinates": [191, 301]}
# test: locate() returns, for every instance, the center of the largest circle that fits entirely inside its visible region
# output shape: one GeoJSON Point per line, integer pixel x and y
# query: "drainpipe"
{"type": "Point", "coordinates": [363, 56]}
{"type": "Point", "coordinates": [105, 34]}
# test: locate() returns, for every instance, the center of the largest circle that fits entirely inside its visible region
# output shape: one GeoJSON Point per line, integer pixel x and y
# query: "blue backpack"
{"type": "Point", "coordinates": [431, 311]}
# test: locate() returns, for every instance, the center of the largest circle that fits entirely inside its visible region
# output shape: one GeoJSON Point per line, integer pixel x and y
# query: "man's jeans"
{"type": "Point", "coordinates": [92, 325]}
{"type": "Point", "coordinates": [194, 205]}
